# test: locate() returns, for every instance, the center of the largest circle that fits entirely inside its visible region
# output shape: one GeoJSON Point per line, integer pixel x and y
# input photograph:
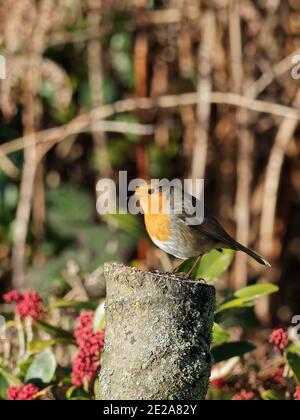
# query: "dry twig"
{"type": "Point", "coordinates": [205, 57]}
{"type": "Point", "coordinates": [284, 135]}
{"type": "Point", "coordinates": [82, 122]}
{"type": "Point", "coordinates": [35, 50]}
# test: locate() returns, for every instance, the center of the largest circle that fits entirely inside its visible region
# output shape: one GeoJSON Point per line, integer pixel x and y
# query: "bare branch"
{"type": "Point", "coordinates": [205, 57]}
{"type": "Point", "coordinates": [82, 122]}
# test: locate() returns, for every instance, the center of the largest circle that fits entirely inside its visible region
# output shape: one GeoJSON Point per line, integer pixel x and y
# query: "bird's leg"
{"type": "Point", "coordinates": [177, 267]}
{"type": "Point", "coordinates": [194, 266]}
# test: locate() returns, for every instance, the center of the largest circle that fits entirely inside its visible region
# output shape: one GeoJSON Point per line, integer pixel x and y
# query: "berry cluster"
{"type": "Point", "coordinates": [29, 304]}
{"type": "Point", "coordinates": [244, 395]}
{"type": "Point", "coordinates": [22, 393]}
{"type": "Point", "coordinates": [279, 338]}
{"type": "Point", "coordinates": [90, 343]}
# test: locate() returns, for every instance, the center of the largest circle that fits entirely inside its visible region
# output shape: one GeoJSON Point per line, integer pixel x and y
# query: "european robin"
{"type": "Point", "coordinates": [168, 224]}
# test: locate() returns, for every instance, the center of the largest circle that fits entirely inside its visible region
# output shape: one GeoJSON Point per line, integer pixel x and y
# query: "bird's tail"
{"type": "Point", "coordinates": [258, 258]}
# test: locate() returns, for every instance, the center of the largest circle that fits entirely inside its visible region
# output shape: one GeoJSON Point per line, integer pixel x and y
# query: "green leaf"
{"type": "Point", "coordinates": [69, 208]}
{"type": "Point", "coordinates": [37, 346]}
{"type": "Point", "coordinates": [294, 347]}
{"type": "Point", "coordinates": [99, 317]}
{"type": "Point", "coordinates": [110, 91]}
{"type": "Point", "coordinates": [127, 222]}
{"type": "Point", "coordinates": [220, 336]}
{"type": "Point", "coordinates": [4, 385]}
{"type": "Point", "coordinates": [97, 388]}
{"type": "Point", "coordinates": [7, 379]}
{"type": "Point", "coordinates": [24, 365]}
{"type": "Point", "coordinates": [10, 377]}
{"type": "Point", "coordinates": [211, 266]}
{"type": "Point", "coordinates": [272, 395]}
{"type": "Point", "coordinates": [95, 237]}
{"type": "Point", "coordinates": [66, 304]}
{"type": "Point", "coordinates": [234, 304]}
{"type": "Point", "coordinates": [121, 41]}
{"type": "Point", "coordinates": [293, 360]}
{"type": "Point", "coordinates": [42, 368]}
{"type": "Point", "coordinates": [131, 119]}
{"type": "Point", "coordinates": [214, 264]}
{"type": "Point", "coordinates": [70, 391]}
{"type": "Point", "coordinates": [74, 393]}
{"type": "Point", "coordinates": [48, 277]}
{"type": "Point", "coordinates": [245, 297]}
{"type": "Point", "coordinates": [55, 332]}
{"type": "Point", "coordinates": [256, 291]}
{"type": "Point", "coordinates": [123, 65]}
{"type": "Point", "coordinates": [228, 350]}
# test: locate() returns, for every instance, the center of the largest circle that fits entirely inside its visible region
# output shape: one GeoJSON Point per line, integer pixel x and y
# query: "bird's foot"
{"type": "Point", "coordinates": [177, 267]}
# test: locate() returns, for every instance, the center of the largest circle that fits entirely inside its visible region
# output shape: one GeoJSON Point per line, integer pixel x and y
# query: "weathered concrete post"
{"type": "Point", "coordinates": [158, 336]}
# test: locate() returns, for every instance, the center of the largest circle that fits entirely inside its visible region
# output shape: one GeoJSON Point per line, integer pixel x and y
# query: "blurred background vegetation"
{"type": "Point", "coordinates": [72, 112]}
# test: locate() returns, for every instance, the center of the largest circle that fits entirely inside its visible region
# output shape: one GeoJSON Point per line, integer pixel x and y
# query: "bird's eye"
{"type": "Point", "coordinates": [152, 191]}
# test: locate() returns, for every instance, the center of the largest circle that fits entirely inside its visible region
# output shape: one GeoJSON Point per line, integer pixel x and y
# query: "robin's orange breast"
{"type": "Point", "coordinates": [158, 226]}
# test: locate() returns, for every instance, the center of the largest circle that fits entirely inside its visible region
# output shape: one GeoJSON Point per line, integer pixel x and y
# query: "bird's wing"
{"type": "Point", "coordinates": [205, 223]}
{"type": "Point", "coordinates": [212, 228]}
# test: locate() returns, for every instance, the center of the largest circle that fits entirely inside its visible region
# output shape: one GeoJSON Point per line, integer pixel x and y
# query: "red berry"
{"type": "Point", "coordinates": [279, 338]}
{"type": "Point", "coordinates": [90, 343]}
{"type": "Point", "coordinates": [297, 394]}
{"type": "Point", "coordinates": [244, 395]}
{"type": "Point", "coordinates": [19, 393]}
{"type": "Point", "coordinates": [12, 297]}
